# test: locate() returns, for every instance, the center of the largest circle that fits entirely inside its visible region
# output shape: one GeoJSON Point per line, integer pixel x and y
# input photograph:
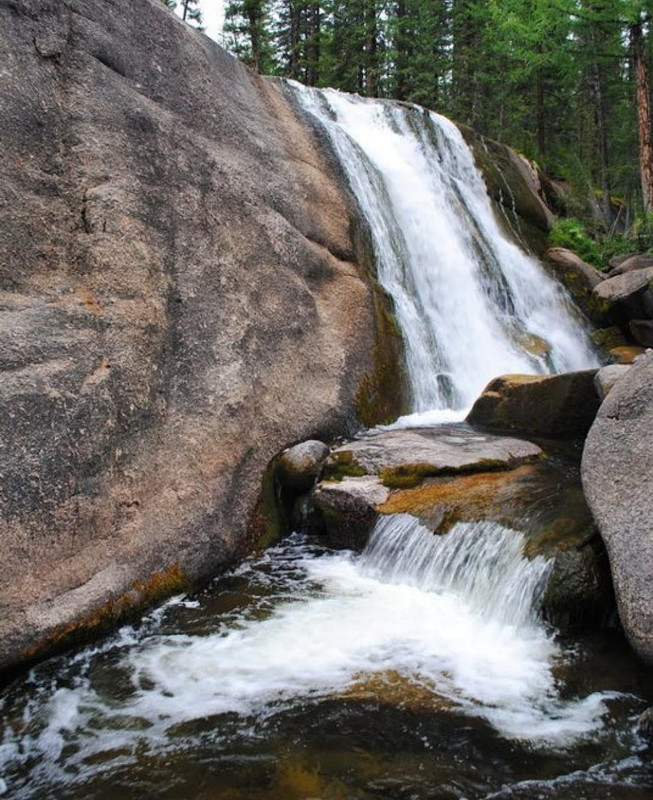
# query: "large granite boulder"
{"type": "Point", "coordinates": [617, 468]}
{"type": "Point", "coordinates": [625, 297]}
{"type": "Point", "coordinates": [177, 260]}
{"type": "Point", "coordinates": [538, 405]}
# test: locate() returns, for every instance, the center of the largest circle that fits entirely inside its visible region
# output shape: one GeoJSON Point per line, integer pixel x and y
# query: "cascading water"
{"type": "Point", "coordinates": [470, 303]}
{"type": "Point", "coordinates": [311, 673]}
{"type": "Point", "coordinates": [453, 617]}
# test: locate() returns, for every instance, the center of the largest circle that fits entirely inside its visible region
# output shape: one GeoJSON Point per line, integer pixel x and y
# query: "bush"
{"type": "Point", "coordinates": [570, 233]}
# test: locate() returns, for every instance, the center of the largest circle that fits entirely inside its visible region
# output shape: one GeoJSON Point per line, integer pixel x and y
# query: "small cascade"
{"type": "Point", "coordinates": [470, 303]}
{"type": "Point", "coordinates": [480, 561]}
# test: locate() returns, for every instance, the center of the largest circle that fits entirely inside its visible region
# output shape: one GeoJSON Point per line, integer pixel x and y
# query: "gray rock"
{"type": "Point", "coordinates": [625, 297]}
{"type": "Point", "coordinates": [629, 264]}
{"type": "Point", "coordinates": [177, 260]}
{"type": "Point", "coordinates": [607, 377]}
{"type": "Point", "coordinates": [618, 260]}
{"type": "Point", "coordinates": [617, 468]}
{"type": "Point", "coordinates": [539, 405]}
{"type": "Point", "coordinates": [416, 453]}
{"type": "Point", "coordinates": [579, 591]}
{"type": "Point", "coordinates": [349, 510]}
{"type": "Point", "coordinates": [576, 275]}
{"type": "Point", "coordinates": [300, 465]}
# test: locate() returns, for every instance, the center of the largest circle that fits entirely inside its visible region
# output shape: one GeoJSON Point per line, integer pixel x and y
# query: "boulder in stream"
{"type": "Point", "coordinates": [451, 475]}
{"type": "Point", "coordinates": [538, 405]}
{"type": "Point", "coordinates": [300, 465]}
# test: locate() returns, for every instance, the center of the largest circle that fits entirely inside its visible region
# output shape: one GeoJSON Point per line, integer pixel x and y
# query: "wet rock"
{"type": "Point", "coordinates": [578, 277]}
{"type": "Point", "coordinates": [617, 467]}
{"type": "Point", "coordinates": [625, 297]}
{"type": "Point", "coordinates": [539, 405]}
{"type": "Point", "coordinates": [579, 591]}
{"type": "Point", "coordinates": [299, 466]}
{"type": "Point", "coordinates": [305, 517]}
{"type": "Point", "coordinates": [607, 377]}
{"type": "Point", "coordinates": [514, 184]}
{"type": "Point", "coordinates": [642, 331]}
{"type": "Point", "coordinates": [349, 509]}
{"type": "Point", "coordinates": [359, 475]}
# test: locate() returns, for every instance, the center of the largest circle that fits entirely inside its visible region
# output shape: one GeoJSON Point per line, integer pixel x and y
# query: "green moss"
{"type": "Point", "coordinates": [407, 476]}
{"type": "Point", "coordinates": [269, 521]}
{"type": "Point", "coordinates": [337, 472]}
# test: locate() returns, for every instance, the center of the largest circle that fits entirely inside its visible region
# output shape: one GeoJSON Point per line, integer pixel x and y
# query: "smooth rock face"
{"type": "Point", "coordinates": [607, 377]}
{"type": "Point", "coordinates": [577, 276]}
{"type": "Point", "coordinates": [625, 297]}
{"type": "Point", "coordinates": [177, 262]}
{"type": "Point", "coordinates": [617, 470]}
{"type": "Point", "coordinates": [539, 405]}
{"type": "Point", "coordinates": [433, 451]}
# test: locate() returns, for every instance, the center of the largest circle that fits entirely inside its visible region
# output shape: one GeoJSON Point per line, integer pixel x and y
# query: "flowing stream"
{"type": "Point", "coordinates": [419, 668]}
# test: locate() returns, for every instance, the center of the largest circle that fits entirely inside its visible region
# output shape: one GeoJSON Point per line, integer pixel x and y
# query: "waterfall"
{"type": "Point", "coordinates": [469, 302]}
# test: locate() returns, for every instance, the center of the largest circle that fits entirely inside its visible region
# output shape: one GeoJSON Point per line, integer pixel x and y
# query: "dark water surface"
{"type": "Point", "coordinates": [303, 675]}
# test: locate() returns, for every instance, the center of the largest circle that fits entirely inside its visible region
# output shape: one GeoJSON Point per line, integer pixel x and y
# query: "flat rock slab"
{"type": "Point", "coordinates": [423, 452]}
{"type": "Point", "coordinates": [617, 473]}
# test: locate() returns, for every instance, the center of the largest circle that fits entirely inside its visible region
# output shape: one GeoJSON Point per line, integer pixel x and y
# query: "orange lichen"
{"type": "Point", "coordinates": [464, 497]}
{"type": "Point", "coordinates": [142, 595]}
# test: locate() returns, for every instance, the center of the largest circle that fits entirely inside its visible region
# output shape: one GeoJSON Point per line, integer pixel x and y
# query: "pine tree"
{"type": "Point", "coordinates": [247, 32]}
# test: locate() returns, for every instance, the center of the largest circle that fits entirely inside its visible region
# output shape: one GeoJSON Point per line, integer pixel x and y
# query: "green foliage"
{"type": "Point", "coordinates": [552, 78]}
{"type": "Point", "coordinates": [570, 233]}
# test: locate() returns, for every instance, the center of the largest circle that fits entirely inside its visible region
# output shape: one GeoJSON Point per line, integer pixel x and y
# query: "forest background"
{"type": "Point", "coordinates": [564, 82]}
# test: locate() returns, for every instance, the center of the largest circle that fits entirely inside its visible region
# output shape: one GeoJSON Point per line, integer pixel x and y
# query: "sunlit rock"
{"type": "Point", "coordinates": [540, 405]}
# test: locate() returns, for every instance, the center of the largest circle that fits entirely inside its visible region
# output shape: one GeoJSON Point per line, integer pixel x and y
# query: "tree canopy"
{"type": "Point", "coordinates": [563, 81]}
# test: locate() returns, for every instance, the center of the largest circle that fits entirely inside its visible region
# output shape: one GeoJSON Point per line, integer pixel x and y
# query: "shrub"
{"type": "Point", "coordinates": [570, 233]}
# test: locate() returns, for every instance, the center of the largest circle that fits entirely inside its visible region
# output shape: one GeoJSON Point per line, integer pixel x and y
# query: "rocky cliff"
{"type": "Point", "coordinates": [181, 296]}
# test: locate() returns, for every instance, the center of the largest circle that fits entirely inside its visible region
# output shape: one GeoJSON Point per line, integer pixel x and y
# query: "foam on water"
{"type": "Point", "coordinates": [454, 615]}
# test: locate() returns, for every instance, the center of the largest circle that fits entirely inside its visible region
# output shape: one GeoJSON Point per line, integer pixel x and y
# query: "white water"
{"type": "Point", "coordinates": [453, 615]}
{"type": "Point", "coordinates": [466, 298]}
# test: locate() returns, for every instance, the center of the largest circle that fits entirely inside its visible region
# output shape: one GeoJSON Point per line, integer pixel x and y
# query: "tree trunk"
{"type": "Point", "coordinates": [643, 114]}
